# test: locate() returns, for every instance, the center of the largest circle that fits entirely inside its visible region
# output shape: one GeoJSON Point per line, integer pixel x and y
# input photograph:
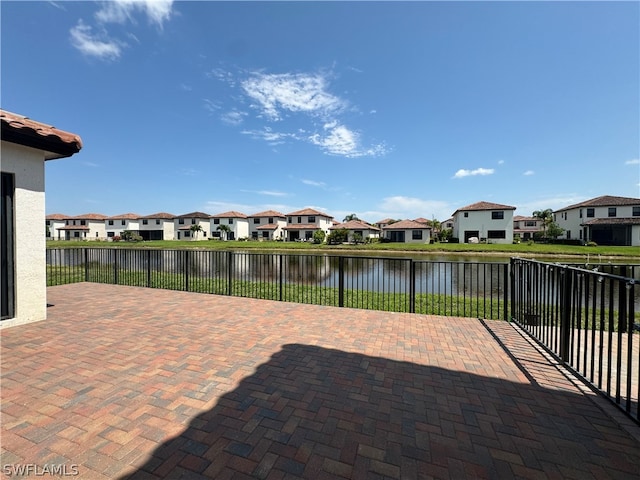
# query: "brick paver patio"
{"type": "Point", "coordinates": [126, 382]}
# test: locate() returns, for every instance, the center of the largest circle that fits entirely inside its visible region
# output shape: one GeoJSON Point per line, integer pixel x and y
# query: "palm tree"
{"type": "Point", "coordinates": [225, 229]}
{"type": "Point", "coordinates": [195, 228]}
{"type": "Point", "coordinates": [546, 216]}
{"type": "Point", "coordinates": [351, 216]}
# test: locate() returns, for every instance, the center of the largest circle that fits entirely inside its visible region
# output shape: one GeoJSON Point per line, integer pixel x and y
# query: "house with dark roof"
{"type": "Point", "coordinates": [526, 227]}
{"type": "Point", "coordinates": [267, 225]}
{"type": "Point", "coordinates": [484, 222]}
{"type": "Point", "coordinates": [182, 226]}
{"type": "Point", "coordinates": [157, 226]}
{"type": "Point", "coordinates": [605, 220]}
{"type": "Point", "coordinates": [25, 147]}
{"type": "Point", "coordinates": [117, 224]}
{"type": "Point", "coordinates": [407, 231]}
{"type": "Point", "coordinates": [302, 223]}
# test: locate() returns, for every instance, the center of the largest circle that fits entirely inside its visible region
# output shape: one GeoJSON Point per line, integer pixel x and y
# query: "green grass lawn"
{"type": "Point", "coordinates": [521, 249]}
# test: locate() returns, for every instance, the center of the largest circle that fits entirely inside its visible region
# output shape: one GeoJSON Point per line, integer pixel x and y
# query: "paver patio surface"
{"type": "Point", "coordinates": [128, 382]}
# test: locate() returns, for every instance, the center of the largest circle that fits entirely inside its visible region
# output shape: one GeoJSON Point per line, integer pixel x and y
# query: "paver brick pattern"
{"type": "Point", "coordinates": [135, 383]}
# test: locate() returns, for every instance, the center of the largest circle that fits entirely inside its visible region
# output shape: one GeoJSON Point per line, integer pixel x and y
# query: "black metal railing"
{"type": "Point", "coordinates": [376, 283]}
{"type": "Point", "coordinates": [588, 319]}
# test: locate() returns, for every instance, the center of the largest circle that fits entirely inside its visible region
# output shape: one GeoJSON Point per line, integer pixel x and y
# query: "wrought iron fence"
{"type": "Point", "coordinates": [376, 283]}
{"type": "Point", "coordinates": [588, 319]}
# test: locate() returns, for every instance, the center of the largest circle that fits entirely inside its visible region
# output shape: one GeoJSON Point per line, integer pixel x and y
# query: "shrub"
{"type": "Point", "coordinates": [116, 238]}
{"type": "Point", "coordinates": [592, 244]}
{"type": "Point", "coordinates": [318, 236]}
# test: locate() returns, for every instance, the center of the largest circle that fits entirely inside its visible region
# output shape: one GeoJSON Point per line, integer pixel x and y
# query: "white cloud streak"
{"type": "Point", "coordinates": [122, 11]}
{"type": "Point", "coordinates": [94, 45]}
{"type": "Point", "coordinates": [529, 173]}
{"type": "Point", "coordinates": [635, 161]}
{"type": "Point", "coordinates": [313, 183]}
{"type": "Point", "coordinates": [471, 173]}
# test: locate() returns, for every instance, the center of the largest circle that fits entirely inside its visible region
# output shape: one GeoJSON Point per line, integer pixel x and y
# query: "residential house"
{"type": "Point", "coordinates": [53, 223]}
{"type": "Point", "coordinates": [157, 226]}
{"type": "Point", "coordinates": [119, 223]}
{"type": "Point", "coordinates": [302, 223]}
{"type": "Point", "coordinates": [358, 230]}
{"type": "Point", "coordinates": [526, 227]}
{"type": "Point", "coordinates": [422, 220]}
{"type": "Point", "coordinates": [447, 224]}
{"type": "Point", "coordinates": [25, 146]}
{"type": "Point", "coordinates": [182, 226]}
{"type": "Point", "coordinates": [383, 223]}
{"type": "Point", "coordinates": [605, 220]}
{"type": "Point", "coordinates": [237, 224]}
{"type": "Point", "coordinates": [88, 226]}
{"type": "Point", "coordinates": [484, 222]}
{"type": "Point", "coordinates": [267, 225]}
{"type": "Point", "coordinates": [407, 231]}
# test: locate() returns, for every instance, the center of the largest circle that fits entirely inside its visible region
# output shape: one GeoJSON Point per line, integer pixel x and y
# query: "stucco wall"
{"type": "Point", "coordinates": [481, 221]}
{"type": "Point", "coordinates": [27, 165]}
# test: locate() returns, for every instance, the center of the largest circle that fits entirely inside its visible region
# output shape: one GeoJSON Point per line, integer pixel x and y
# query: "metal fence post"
{"type": "Point", "coordinates": [86, 264]}
{"type": "Point", "coordinates": [115, 266]}
{"type": "Point", "coordinates": [186, 270]}
{"type": "Point", "coordinates": [509, 283]}
{"type": "Point", "coordinates": [229, 272]}
{"type": "Point", "coordinates": [565, 313]}
{"type": "Point", "coordinates": [412, 286]}
{"type": "Point", "coordinates": [148, 268]}
{"type": "Point", "coordinates": [280, 275]}
{"type": "Point", "coordinates": [341, 281]}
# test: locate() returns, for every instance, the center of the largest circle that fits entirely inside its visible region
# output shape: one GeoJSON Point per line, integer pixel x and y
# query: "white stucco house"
{"type": "Point", "coordinates": [267, 225]}
{"type": "Point", "coordinates": [25, 146]}
{"type": "Point", "coordinates": [237, 224]}
{"type": "Point", "coordinates": [484, 221]}
{"type": "Point", "coordinates": [302, 223]}
{"type": "Point", "coordinates": [383, 223]}
{"type": "Point", "coordinates": [157, 226]}
{"type": "Point", "coordinates": [605, 220]}
{"type": "Point", "coordinates": [117, 224]}
{"type": "Point", "coordinates": [357, 229]}
{"type": "Point", "coordinates": [407, 231]}
{"type": "Point", "coordinates": [182, 226]}
{"type": "Point", "coordinates": [88, 226]}
{"type": "Point", "coordinates": [53, 223]}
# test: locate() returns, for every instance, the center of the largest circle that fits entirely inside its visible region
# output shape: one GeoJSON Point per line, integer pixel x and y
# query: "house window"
{"type": "Point", "coordinates": [145, 222]}
{"type": "Point", "coordinates": [216, 221]}
{"type": "Point", "coordinates": [83, 222]}
{"type": "Point", "coordinates": [270, 220]}
{"type": "Point", "coordinates": [591, 212]}
{"type": "Point", "coordinates": [636, 212]}
{"type": "Point", "coordinates": [157, 221]}
{"type": "Point", "coordinates": [299, 219]}
{"type": "Point", "coordinates": [312, 219]}
{"type": "Point", "coordinates": [76, 234]}
{"type": "Point", "coordinates": [48, 223]}
{"type": "Point", "coordinates": [254, 235]}
{"type": "Point", "coordinates": [256, 221]}
{"type": "Point", "coordinates": [187, 233]}
{"type": "Point", "coordinates": [580, 213]}
{"type": "Point", "coordinates": [466, 214]}
{"type": "Point", "coordinates": [111, 234]}
{"type": "Point", "coordinates": [496, 234]}
{"type": "Point", "coordinates": [231, 221]}
{"type": "Point", "coordinates": [612, 211]}
{"type": "Point", "coordinates": [181, 221]}
{"type": "Point", "coordinates": [499, 215]}
{"type": "Point", "coordinates": [110, 222]}
{"type": "Point", "coordinates": [358, 232]}
{"type": "Point", "coordinates": [290, 220]}
{"type": "Point", "coordinates": [122, 222]}
{"type": "Point", "coordinates": [530, 223]}
{"type": "Point", "coordinates": [193, 221]}
{"type": "Point", "coordinates": [416, 234]}
{"type": "Point", "coordinates": [265, 234]}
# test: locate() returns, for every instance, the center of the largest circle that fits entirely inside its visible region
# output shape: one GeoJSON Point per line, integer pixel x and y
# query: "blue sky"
{"type": "Point", "coordinates": [394, 109]}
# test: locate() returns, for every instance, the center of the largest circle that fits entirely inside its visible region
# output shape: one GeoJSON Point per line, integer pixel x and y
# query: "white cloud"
{"type": "Point", "coordinates": [470, 173]}
{"type": "Point", "coordinates": [635, 161]}
{"type": "Point", "coordinates": [233, 117]}
{"type": "Point", "coordinates": [94, 45]}
{"type": "Point", "coordinates": [401, 207]}
{"type": "Point", "coordinates": [313, 183]}
{"type": "Point", "coordinates": [500, 162]}
{"type": "Point", "coordinates": [121, 11]}
{"type": "Point", "coordinates": [211, 106]}
{"type": "Point", "coordinates": [554, 203]}
{"type": "Point", "coordinates": [344, 142]}
{"type": "Point", "coordinates": [269, 193]}
{"type": "Point", "coordinates": [277, 94]}
{"type": "Point", "coordinates": [529, 173]}
{"type": "Point", "coordinates": [269, 136]}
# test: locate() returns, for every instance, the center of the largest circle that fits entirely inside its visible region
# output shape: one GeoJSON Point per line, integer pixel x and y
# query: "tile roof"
{"type": "Point", "coordinates": [268, 213]}
{"type": "Point", "coordinates": [160, 215]}
{"type": "Point", "coordinates": [407, 225]}
{"type": "Point", "coordinates": [614, 221]}
{"type": "Point", "coordinates": [125, 216]}
{"type": "Point", "coordinates": [479, 206]}
{"type": "Point", "coordinates": [354, 225]}
{"type": "Point", "coordinates": [518, 218]}
{"type": "Point", "coordinates": [301, 226]}
{"type": "Point", "coordinates": [269, 226]}
{"type": "Point", "coordinates": [24, 131]}
{"type": "Point", "coordinates": [56, 216]}
{"type": "Point", "coordinates": [421, 220]}
{"type": "Point", "coordinates": [230, 214]}
{"type": "Point", "coordinates": [604, 201]}
{"type": "Point", "coordinates": [385, 221]}
{"type": "Point", "coordinates": [89, 216]}
{"type": "Point", "coordinates": [73, 227]}
{"type": "Point", "coordinates": [194, 215]}
{"type": "Point", "coordinates": [308, 211]}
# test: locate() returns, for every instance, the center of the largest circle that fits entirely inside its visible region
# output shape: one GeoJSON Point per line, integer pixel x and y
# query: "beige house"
{"type": "Point", "coordinates": [526, 227]}
{"type": "Point", "coordinates": [267, 225]}
{"type": "Point", "coordinates": [182, 226]}
{"type": "Point", "coordinates": [117, 224]}
{"type": "Point", "coordinates": [88, 226]}
{"type": "Point", "coordinates": [302, 223]}
{"type": "Point", "coordinates": [407, 231]}
{"type": "Point", "coordinates": [484, 222]}
{"type": "Point", "coordinates": [53, 223]}
{"type": "Point", "coordinates": [358, 230]}
{"type": "Point", "coordinates": [236, 223]}
{"type": "Point", "coordinates": [157, 226]}
{"type": "Point", "coordinates": [25, 146]}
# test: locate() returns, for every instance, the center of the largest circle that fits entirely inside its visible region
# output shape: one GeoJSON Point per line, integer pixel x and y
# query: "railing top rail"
{"type": "Point", "coordinates": [597, 273]}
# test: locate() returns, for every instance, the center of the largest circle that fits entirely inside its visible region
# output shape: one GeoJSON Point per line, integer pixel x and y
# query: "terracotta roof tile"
{"type": "Point", "coordinates": [56, 216]}
{"type": "Point", "coordinates": [268, 213]}
{"type": "Point", "coordinates": [160, 215]}
{"type": "Point", "coordinates": [125, 216]}
{"type": "Point", "coordinates": [194, 215]}
{"type": "Point", "coordinates": [308, 211]}
{"type": "Point", "coordinates": [385, 221]}
{"type": "Point", "coordinates": [407, 225]}
{"type": "Point", "coordinates": [302, 226]}
{"type": "Point", "coordinates": [354, 225]}
{"type": "Point", "coordinates": [230, 214]}
{"type": "Point", "coordinates": [604, 201]}
{"type": "Point", "coordinates": [421, 220]}
{"type": "Point", "coordinates": [614, 221]}
{"type": "Point", "coordinates": [24, 131]}
{"type": "Point", "coordinates": [73, 227]}
{"type": "Point", "coordinates": [89, 216]}
{"type": "Point", "coordinates": [269, 226]}
{"type": "Point", "coordinates": [480, 206]}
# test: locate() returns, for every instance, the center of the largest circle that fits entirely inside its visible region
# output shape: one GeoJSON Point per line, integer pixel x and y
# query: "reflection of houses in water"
{"type": "Point", "coordinates": [306, 269]}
